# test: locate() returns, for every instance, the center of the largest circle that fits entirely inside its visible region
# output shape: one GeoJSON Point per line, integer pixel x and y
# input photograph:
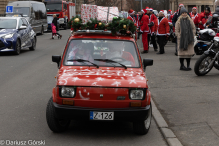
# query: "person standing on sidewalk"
{"type": "Point", "coordinates": [54, 21]}
{"type": "Point", "coordinates": [175, 18]}
{"type": "Point", "coordinates": [163, 31]}
{"type": "Point", "coordinates": [144, 29]}
{"type": "Point", "coordinates": [185, 32]}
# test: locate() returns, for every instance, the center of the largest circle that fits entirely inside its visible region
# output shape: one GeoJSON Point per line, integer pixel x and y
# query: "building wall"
{"type": "Point", "coordinates": [200, 4]}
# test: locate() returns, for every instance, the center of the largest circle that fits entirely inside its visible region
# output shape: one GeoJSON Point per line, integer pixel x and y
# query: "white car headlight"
{"type": "Point", "coordinates": [67, 92]}
{"type": "Point", "coordinates": [136, 94]}
{"type": "Point", "coordinates": [7, 36]}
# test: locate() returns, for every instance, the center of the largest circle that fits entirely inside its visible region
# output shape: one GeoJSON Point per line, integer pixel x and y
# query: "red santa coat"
{"type": "Point", "coordinates": [203, 17]}
{"type": "Point", "coordinates": [163, 27]}
{"type": "Point", "coordinates": [153, 19]}
{"type": "Point", "coordinates": [144, 23]}
{"type": "Point", "coordinates": [192, 15]}
{"type": "Point", "coordinates": [154, 28]}
{"type": "Point", "coordinates": [131, 18]}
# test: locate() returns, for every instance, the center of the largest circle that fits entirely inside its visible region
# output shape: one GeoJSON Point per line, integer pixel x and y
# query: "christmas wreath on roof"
{"type": "Point", "coordinates": [118, 25]}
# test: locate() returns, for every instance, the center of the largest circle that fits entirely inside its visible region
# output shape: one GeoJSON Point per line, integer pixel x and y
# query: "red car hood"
{"type": "Point", "coordinates": [104, 76]}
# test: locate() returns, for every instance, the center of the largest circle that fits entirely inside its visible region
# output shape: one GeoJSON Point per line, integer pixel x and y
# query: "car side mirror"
{"type": "Point", "coordinates": [22, 27]}
{"type": "Point", "coordinates": [57, 59]}
{"type": "Point", "coordinates": [147, 62]}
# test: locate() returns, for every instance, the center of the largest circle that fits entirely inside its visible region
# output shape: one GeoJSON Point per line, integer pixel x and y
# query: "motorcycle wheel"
{"type": "Point", "coordinates": [201, 66]}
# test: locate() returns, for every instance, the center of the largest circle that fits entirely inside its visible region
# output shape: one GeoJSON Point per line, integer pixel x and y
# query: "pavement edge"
{"type": "Point", "coordinates": [168, 134]}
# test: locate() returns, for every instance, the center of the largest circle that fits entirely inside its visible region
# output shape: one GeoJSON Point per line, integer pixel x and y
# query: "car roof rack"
{"type": "Point", "coordinates": [92, 32]}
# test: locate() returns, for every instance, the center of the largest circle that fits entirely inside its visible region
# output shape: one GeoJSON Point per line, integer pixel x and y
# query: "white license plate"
{"type": "Point", "coordinates": [101, 115]}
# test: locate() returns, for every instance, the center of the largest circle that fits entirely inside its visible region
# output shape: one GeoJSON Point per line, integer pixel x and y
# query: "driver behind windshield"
{"type": "Point", "coordinates": [81, 50]}
{"type": "Point", "coordinates": [116, 50]}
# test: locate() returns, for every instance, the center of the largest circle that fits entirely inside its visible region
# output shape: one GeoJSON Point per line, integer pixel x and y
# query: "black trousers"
{"type": "Point", "coordinates": [161, 42]}
{"type": "Point", "coordinates": [153, 41]}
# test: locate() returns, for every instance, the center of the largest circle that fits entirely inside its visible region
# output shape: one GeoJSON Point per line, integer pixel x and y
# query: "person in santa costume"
{"type": "Point", "coordinates": [169, 14]}
{"type": "Point", "coordinates": [133, 18]}
{"type": "Point", "coordinates": [141, 14]}
{"type": "Point", "coordinates": [132, 15]}
{"type": "Point", "coordinates": [194, 16]}
{"type": "Point", "coordinates": [153, 23]}
{"type": "Point", "coordinates": [144, 29]}
{"type": "Point", "coordinates": [163, 31]}
{"type": "Point", "coordinates": [203, 17]}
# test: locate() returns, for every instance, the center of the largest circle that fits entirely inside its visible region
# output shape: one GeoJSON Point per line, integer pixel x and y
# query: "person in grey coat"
{"type": "Point", "coordinates": [185, 31]}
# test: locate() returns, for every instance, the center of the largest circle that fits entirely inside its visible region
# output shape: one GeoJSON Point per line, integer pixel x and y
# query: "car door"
{"type": "Point", "coordinates": [27, 32]}
{"type": "Point", "coordinates": [22, 33]}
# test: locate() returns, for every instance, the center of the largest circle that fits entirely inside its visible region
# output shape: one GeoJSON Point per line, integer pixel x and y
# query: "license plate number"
{"type": "Point", "coordinates": [101, 115]}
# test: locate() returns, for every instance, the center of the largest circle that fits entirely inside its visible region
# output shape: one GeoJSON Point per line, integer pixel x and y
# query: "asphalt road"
{"type": "Point", "coordinates": [188, 103]}
{"type": "Point", "coordinates": [26, 83]}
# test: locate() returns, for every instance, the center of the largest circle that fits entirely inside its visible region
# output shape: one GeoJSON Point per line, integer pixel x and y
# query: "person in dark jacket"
{"type": "Point", "coordinates": [175, 18]}
{"type": "Point", "coordinates": [54, 21]}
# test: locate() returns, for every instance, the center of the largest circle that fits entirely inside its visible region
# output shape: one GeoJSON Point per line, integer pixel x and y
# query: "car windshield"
{"type": "Point", "coordinates": [54, 7]}
{"type": "Point", "coordinates": [23, 10]}
{"type": "Point", "coordinates": [8, 23]}
{"type": "Point", "coordinates": [49, 19]}
{"type": "Point", "coordinates": [113, 53]}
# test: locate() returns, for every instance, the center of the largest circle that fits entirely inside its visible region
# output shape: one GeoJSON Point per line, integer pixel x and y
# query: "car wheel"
{"type": "Point", "coordinates": [18, 48]}
{"type": "Point", "coordinates": [142, 127]}
{"type": "Point", "coordinates": [42, 31]}
{"type": "Point", "coordinates": [56, 125]}
{"type": "Point", "coordinates": [33, 47]}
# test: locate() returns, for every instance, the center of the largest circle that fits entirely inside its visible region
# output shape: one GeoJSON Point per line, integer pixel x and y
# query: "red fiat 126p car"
{"type": "Point", "coordinates": [100, 77]}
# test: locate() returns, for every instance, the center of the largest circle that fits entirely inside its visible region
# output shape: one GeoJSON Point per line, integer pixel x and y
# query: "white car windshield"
{"type": "Point", "coordinates": [8, 23]}
{"type": "Point", "coordinates": [113, 53]}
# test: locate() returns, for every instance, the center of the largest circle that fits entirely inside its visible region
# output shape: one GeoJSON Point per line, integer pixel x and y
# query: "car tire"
{"type": "Point", "coordinates": [18, 48]}
{"type": "Point", "coordinates": [56, 125]}
{"type": "Point", "coordinates": [42, 31]}
{"type": "Point", "coordinates": [33, 47]}
{"type": "Point", "coordinates": [142, 127]}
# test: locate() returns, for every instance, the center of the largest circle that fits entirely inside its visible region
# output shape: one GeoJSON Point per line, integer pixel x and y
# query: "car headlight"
{"type": "Point", "coordinates": [136, 94]}
{"type": "Point", "coordinates": [7, 36]}
{"type": "Point", "coordinates": [67, 92]}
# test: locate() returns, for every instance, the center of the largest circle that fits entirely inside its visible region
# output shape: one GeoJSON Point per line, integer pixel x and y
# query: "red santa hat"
{"type": "Point", "coordinates": [147, 8]}
{"type": "Point", "coordinates": [144, 10]}
{"type": "Point", "coordinates": [151, 9]}
{"type": "Point", "coordinates": [161, 11]}
{"type": "Point", "coordinates": [194, 8]}
{"type": "Point", "coordinates": [181, 5]}
{"type": "Point", "coordinates": [131, 11]}
{"type": "Point", "coordinates": [170, 11]}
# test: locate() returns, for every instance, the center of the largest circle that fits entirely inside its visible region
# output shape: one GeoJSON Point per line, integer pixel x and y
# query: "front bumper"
{"type": "Point", "coordinates": [80, 113]}
{"type": "Point", "coordinates": [7, 45]}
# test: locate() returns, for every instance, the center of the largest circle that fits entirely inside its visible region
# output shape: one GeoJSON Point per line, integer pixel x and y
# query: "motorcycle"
{"type": "Point", "coordinates": [203, 41]}
{"type": "Point", "coordinates": [209, 59]}
{"type": "Point", "coordinates": [204, 36]}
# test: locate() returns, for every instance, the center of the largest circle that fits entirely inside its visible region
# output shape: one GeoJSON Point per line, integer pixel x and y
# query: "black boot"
{"type": "Point", "coordinates": [182, 66]}
{"type": "Point", "coordinates": [188, 63]}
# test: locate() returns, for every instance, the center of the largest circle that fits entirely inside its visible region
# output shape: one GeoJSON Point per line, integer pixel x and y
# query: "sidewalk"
{"type": "Point", "coordinates": [189, 104]}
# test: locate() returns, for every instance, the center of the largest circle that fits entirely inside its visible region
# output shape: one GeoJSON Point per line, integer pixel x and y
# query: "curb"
{"type": "Point", "coordinates": [168, 134]}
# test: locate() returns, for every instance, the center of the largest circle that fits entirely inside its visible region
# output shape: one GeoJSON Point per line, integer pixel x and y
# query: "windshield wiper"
{"type": "Point", "coordinates": [82, 60]}
{"type": "Point", "coordinates": [111, 61]}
